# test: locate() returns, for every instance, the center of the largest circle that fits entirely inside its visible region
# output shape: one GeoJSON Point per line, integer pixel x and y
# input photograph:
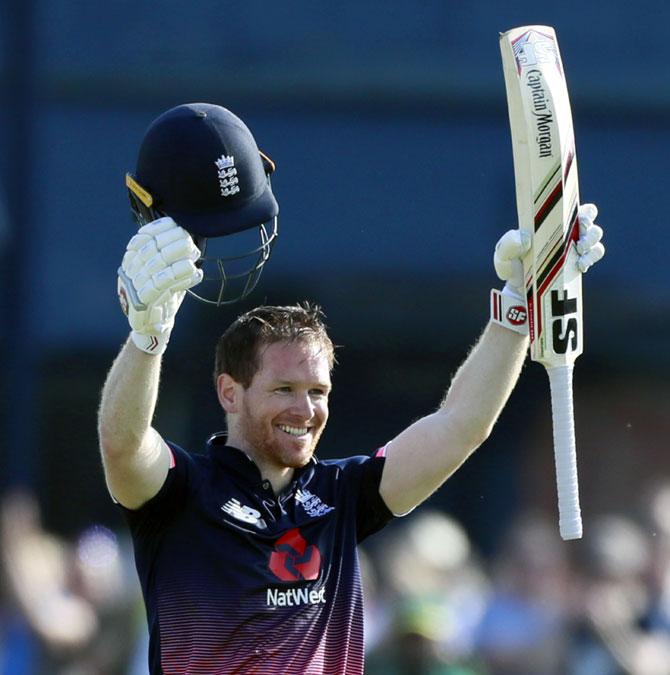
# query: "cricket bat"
{"type": "Point", "coordinates": [547, 198]}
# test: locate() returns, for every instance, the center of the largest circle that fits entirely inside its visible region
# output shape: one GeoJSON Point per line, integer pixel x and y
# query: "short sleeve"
{"type": "Point", "coordinates": [162, 508]}
{"type": "Point", "coordinates": [363, 474]}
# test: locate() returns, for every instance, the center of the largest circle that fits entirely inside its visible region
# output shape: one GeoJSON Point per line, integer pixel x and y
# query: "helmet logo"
{"type": "Point", "coordinates": [227, 173]}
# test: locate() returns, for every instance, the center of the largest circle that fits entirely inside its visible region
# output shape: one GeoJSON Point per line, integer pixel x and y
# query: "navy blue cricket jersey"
{"type": "Point", "coordinates": [238, 580]}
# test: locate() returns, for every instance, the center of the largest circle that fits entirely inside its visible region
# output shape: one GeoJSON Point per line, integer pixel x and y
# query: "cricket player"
{"type": "Point", "coordinates": [246, 552]}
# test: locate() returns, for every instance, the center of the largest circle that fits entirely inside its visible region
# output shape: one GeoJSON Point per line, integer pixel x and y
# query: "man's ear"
{"type": "Point", "coordinates": [228, 391]}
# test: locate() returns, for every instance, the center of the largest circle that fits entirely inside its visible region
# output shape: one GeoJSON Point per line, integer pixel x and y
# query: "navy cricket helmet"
{"type": "Point", "coordinates": [199, 164]}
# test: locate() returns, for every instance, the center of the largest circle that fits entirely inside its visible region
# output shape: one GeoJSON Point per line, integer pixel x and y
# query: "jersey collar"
{"type": "Point", "coordinates": [238, 462]}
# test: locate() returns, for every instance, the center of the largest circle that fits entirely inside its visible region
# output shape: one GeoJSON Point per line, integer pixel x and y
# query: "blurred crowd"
{"type": "Point", "coordinates": [435, 606]}
{"type": "Point", "coordinates": [66, 607]}
{"type": "Point", "coordinates": [540, 606]}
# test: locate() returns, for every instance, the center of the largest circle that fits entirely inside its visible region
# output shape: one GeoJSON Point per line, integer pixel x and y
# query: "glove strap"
{"type": "Point", "coordinates": [508, 309]}
{"type": "Point", "coordinates": [151, 344]}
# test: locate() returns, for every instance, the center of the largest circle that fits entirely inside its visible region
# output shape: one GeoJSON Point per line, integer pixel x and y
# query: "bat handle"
{"type": "Point", "coordinates": [565, 455]}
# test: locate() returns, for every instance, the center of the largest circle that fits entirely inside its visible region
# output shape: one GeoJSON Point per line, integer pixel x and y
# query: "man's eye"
{"type": "Point", "coordinates": [283, 390]}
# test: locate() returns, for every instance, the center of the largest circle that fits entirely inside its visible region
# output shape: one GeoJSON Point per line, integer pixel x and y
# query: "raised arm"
{"type": "Point", "coordinates": [423, 456]}
{"type": "Point", "coordinates": [157, 269]}
{"type": "Point", "coordinates": [134, 456]}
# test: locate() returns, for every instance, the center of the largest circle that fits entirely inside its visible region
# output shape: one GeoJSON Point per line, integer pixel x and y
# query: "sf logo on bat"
{"type": "Point", "coordinates": [564, 326]}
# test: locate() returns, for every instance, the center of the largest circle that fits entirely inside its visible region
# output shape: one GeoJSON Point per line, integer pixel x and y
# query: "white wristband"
{"type": "Point", "coordinates": [151, 344]}
{"type": "Point", "coordinates": [508, 309]}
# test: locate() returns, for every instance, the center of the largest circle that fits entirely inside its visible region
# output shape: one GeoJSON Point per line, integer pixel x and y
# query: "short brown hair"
{"type": "Point", "coordinates": [238, 351]}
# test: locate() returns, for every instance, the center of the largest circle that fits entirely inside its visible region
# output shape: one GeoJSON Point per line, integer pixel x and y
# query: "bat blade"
{"type": "Point", "coordinates": [547, 197]}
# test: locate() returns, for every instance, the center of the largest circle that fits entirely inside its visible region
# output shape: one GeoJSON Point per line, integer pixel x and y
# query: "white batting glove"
{"type": "Point", "coordinates": [508, 307]}
{"type": "Point", "coordinates": [157, 269]}
{"type": "Point", "coordinates": [588, 246]}
{"type": "Point", "coordinates": [511, 247]}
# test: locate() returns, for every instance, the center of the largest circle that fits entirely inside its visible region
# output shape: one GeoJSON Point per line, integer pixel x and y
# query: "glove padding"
{"type": "Point", "coordinates": [508, 307]}
{"type": "Point", "coordinates": [589, 247]}
{"type": "Point", "coordinates": [157, 269]}
{"type": "Point", "coordinates": [511, 247]}
{"type": "Point", "coordinates": [514, 244]}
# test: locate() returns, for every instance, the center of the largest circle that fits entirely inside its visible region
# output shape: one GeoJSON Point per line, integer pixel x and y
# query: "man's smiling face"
{"type": "Point", "coordinates": [283, 412]}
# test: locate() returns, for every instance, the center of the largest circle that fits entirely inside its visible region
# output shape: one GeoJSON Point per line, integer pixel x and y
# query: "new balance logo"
{"type": "Point", "coordinates": [246, 514]}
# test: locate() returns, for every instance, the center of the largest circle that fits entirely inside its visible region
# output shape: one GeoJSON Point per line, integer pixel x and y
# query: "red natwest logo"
{"type": "Point", "coordinates": [293, 559]}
